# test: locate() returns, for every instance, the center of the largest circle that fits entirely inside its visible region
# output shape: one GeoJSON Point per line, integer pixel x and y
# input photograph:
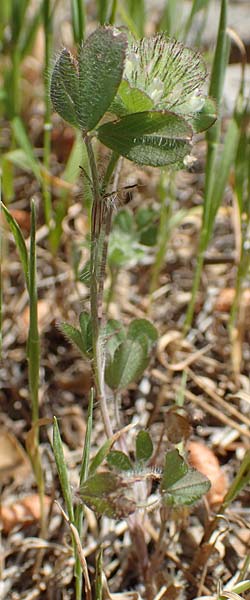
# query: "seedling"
{"type": "Point", "coordinates": [143, 100]}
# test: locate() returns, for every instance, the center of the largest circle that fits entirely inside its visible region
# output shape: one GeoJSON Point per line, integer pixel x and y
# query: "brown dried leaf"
{"type": "Point", "coordinates": [14, 462]}
{"type": "Point", "coordinates": [226, 297]}
{"type": "Point", "coordinates": [22, 512]}
{"type": "Point", "coordinates": [177, 426]}
{"type": "Point", "coordinates": [205, 461]}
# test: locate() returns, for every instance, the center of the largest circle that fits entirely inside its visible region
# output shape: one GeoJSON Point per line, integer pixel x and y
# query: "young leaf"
{"type": "Point", "coordinates": [86, 332]}
{"type": "Point", "coordinates": [174, 469]}
{"type": "Point", "coordinates": [129, 361]}
{"type": "Point", "coordinates": [130, 100]}
{"type": "Point", "coordinates": [144, 446]}
{"type": "Point", "coordinates": [205, 117]}
{"type": "Point", "coordinates": [20, 243]}
{"type": "Point", "coordinates": [74, 335]}
{"type": "Point", "coordinates": [143, 327]}
{"type": "Point", "coordinates": [187, 489]}
{"type": "Point", "coordinates": [149, 138]}
{"type": "Point", "coordinates": [62, 470]}
{"type": "Point", "coordinates": [119, 460]}
{"type": "Point", "coordinates": [101, 62]}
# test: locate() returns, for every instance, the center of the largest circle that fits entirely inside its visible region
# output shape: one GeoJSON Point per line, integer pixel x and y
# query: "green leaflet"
{"type": "Point", "coordinates": [82, 90]}
{"type": "Point", "coordinates": [129, 361]}
{"type": "Point", "coordinates": [130, 100]}
{"type": "Point", "coordinates": [156, 138]}
{"type": "Point", "coordinates": [188, 489]}
{"type": "Point", "coordinates": [174, 469]}
{"type": "Point", "coordinates": [181, 485]}
{"type": "Point", "coordinates": [105, 493]}
{"type": "Point", "coordinates": [139, 327]}
{"type": "Point", "coordinates": [205, 117]}
{"type": "Point", "coordinates": [144, 446]}
{"type": "Point", "coordinates": [64, 89]}
{"type": "Point", "coordinates": [119, 460]}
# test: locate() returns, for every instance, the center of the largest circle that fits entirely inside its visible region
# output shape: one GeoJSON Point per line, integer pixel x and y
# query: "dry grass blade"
{"type": "Point", "coordinates": [80, 553]}
{"type": "Point", "coordinates": [225, 405]}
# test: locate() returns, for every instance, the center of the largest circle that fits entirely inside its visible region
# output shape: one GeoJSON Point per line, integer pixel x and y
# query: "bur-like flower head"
{"type": "Point", "coordinates": [171, 75]}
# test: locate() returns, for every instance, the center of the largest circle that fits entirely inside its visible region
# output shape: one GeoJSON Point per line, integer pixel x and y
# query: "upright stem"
{"type": "Point", "coordinates": [95, 299]}
{"type": "Point", "coordinates": [47, 117]}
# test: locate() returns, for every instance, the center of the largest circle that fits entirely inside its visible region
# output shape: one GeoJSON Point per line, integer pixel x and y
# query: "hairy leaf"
{"type": "Point", "coordinates": [74, 335]}
{"type": "Point", "coordinates": [64, 89]}
{"type": "Point", "coordinates": [174, 469]}
{"type": "Point", "coordinates": [187, 489]}
{"type": "Point", "coordinates": [144, 446]}
{"type": "Point", "coordinates": [101, 61]}
{"type": "Point", "coordinates": [86, 332]}
{"type": "Point", "coordinates": [105, 493]}
{"type": "Point", "coordinates": [143, 327]}
{"type": "Point", "coordinates": [149, 138]}
{"type": "Point", "coordinates": [119, 460]}
{"type": "Point", "coordinates": [129, 361]}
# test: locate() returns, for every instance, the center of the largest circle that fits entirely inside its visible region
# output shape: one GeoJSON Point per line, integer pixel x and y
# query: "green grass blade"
{"type": "Point", "coordinates": [24, 143]}
{"type": "Point", "coordinates": [78, 20]}
{"type": "Point", "coordinates": [103, 7]}
{"type": "Point", "coordinates": [86, 450]}
{"type": "Point", "coordinates": [169, 19]}
{"type": "Point", "coordinates": [137, 13]}
{"type": "Point", "coordinates": [33, 348]}
{"type": "Point", "coordinates": [77, 157]}
{"type": "Point", "coordinates": [240, 481]}
{"type": "Point", "coordinates": [197, 6]}
{"type": "Point", "coordinates": [48, 29]}
{"type": "Point", "coordinates": [1, 282]}
{"type": "Point", "coordinates": [220, 61]}
{"type": "Point", "coordinates": [222, 171]}
{"type": "Point", "coordinates": [20, 242]}
{"type": "Point", "coordinates": [213, 137]}
{"type": "Point", "coordinates": [98, 576]}
{"type": "Point", "coordinates": [62, 470]}
{"type": "Point", "coordinates": [83, 476]}
{"type": "Point", "coordinates": [29, 32]}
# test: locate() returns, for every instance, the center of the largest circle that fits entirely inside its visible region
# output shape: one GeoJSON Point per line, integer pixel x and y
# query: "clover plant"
{"type": "Point", "coordinates": [143, 100]}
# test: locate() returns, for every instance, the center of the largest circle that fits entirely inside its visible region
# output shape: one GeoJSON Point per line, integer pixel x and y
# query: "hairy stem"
{"type": "Point", "coordinates": [95, 296]}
